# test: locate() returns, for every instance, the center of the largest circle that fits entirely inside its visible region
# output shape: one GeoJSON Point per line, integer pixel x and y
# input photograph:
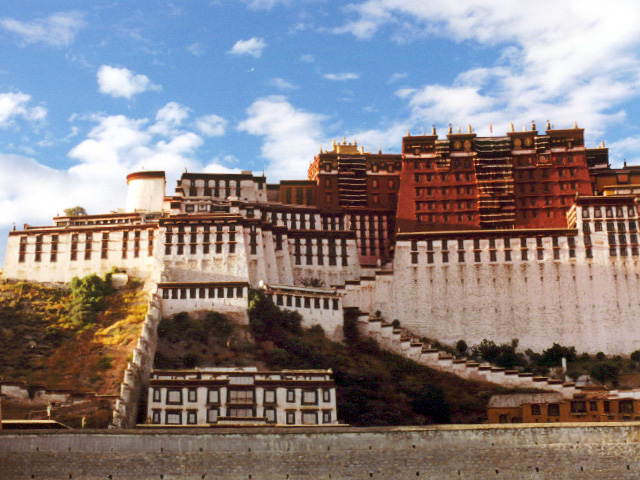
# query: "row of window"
{"type": "Point", "coordinates": [202, 292]}
{"type": "Point", "coordinates": [175, 396]}
{"type": "Point", "coordinates": [446, 205]}
{"type": "Point", "coordinates": [529, 161]}
{"type": "Point", "coordinates": [175, 417]}
{"type": "Point", "coordinates": [444, 191]}
{"type": "Point", "coordinates": [129, 246]}
{"type": "Point", "coordinates": [454, 163]}
{"type": "Point", "coordinates": [297, 301]}
{"type": "Point", "coordinates": [611, 226]}
{"type": "Point", "coordinates": [596, 212]}
{"type": "Point", "coordinates": [493, 252]}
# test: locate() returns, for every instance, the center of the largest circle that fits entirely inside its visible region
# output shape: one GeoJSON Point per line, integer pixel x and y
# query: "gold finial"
{"type": "Point", "coordinates": [459, 129]}
{"type": "Point", "coordinates": [408, 133]}
{"type": "Point", "coordinates": [512, 127]}
{"type": "Point", "coordinates": [433, 130]}
{"type": "Point", "coordinates": [450, 129]}
{"type": "Point", "coordinates": [602, 144]}
{"type": "Point", "coordinates": [344, 140]}
{"type": "Point", "coordinates": [470, 129]}
{"type": "Point", "coordinates": [575, 125]}
{"type": "Point", "coordinates": [361, 149]}
{"type": "Point", "coordinates": [355, 142]}
{"type": "Point", "coordinates": [320, 148]}
{"type": "Point", "coordinates": [379, 149]}
{"type": "Point", "coordinates": [333, 144]}
{"type": "Point", "coordinates": [533, 125]}
{"type": "Point", "coordinates": [548, 125]}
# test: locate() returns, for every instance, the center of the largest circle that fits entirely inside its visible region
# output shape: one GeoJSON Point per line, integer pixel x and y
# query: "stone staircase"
{"type": "Point", "coordinates": [400, 341]}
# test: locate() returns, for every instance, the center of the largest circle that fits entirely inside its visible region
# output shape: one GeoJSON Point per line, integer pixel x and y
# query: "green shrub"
{"type": "Point", "coordinates": [605, 373]}
{"type": "Point", "coordinates": [104, 363]}
{"type": "Point", "coordinates": [461, 347]}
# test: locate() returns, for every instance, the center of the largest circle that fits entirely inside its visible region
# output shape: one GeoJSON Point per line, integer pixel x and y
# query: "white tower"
{"type": "Point", "coordinates": [145, 191]}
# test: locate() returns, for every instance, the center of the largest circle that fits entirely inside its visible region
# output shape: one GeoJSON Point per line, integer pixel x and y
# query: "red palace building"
{"type": "Point", "coordinates": [465, 182]}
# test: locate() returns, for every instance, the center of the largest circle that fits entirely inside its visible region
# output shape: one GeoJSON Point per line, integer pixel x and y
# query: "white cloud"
{"type": "Point", "coordinates": [282, 84]}
{"type": "Point", "coordinates": [307, 58]}
{"type": "Point", "coordinates": [292, 136]}
{"type": "Point", "coordinates": [578, 60]}
{"type": "Point", "coordinates": [211, 125]}
{"type": "Point", "coordinates": [626, 149]}
{"type": "Point", "coordinates": [340, 77]}
{"type": "Point", "coordinates": [265, 4]}
{"type": "Point", "coordinates": [58, 30]}
{"type": "Point", "coordinates": [196, 49]}
{"type": "Point", "coordinates": [254, 47]}
{"type": "Point", "coordinates": [169, 118]}
{"type": "Point", "coordinates": [14, 105]}
{"type": "Point", "coordinates": [397, 76]}
{"type": "Point", "coordinates": [122, 82]}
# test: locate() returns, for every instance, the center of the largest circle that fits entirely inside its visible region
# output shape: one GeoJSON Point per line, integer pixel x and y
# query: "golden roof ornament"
{"type": "Point", "coordinates": [533, 125]}
{"type": "Point", "coordinates": [470, 129]}
{"type": "Point", "coordinates": [575, 125]}
{"type": "Point", "coordinates": [433, 130]}
{"type": "Point", "coordinates": [548, 125]}
{"type": "Point", "coordinates": [450, 129]}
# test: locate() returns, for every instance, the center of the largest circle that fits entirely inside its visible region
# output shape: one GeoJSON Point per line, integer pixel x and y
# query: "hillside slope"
{"type": "Point", "coordinates": [42, 340]}
{"type": "Point", "coordinates": [374, 387]}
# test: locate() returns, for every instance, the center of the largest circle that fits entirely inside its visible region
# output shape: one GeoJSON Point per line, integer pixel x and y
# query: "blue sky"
{"type": "Point", "coordinates": [90, 91]}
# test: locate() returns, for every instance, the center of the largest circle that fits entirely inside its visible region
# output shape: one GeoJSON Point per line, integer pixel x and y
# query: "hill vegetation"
{"type": "Point", "coordinates": [78, 338]}
{"type": "Point", "coordinates": [374, 387]}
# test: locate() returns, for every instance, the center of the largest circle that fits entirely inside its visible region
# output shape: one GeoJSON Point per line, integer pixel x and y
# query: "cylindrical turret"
{"type": "Point", "coordinates": [145, 191]}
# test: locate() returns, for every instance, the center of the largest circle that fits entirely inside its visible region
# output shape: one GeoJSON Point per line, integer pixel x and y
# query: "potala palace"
{"type": "Point", "coordinates": [528, 235]}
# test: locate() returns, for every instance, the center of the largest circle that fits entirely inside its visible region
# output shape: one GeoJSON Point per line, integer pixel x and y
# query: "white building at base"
{"type": "Point", "coordinates": [241, 396]}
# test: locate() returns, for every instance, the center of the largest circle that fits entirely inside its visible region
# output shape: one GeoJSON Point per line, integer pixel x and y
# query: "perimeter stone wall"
{"type": "Point", "coordinates": [604, 451]}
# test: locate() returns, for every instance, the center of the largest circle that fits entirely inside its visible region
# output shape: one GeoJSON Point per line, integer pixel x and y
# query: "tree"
{"type": "Point", "coordinates": [461, 347]}
{"type": "Point", "coordinates": [74, 211]}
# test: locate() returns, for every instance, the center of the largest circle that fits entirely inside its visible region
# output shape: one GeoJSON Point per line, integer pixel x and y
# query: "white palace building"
{"type": "Point", "coordinates": [219, 235]}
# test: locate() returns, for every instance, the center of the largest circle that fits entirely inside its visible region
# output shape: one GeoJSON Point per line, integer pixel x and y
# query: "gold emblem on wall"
{"type": "Point", "coordinates": [467, 145]}
{"type": "Point", "coordinates": [528, 142]}
{"type": "Point", "coordinates": [457, 145]}
{"type": "Point", "coordinates": [517, 142]}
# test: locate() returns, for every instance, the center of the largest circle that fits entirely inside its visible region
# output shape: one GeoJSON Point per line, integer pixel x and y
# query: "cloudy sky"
{"type": "Point", "coordinates": [90, 91]}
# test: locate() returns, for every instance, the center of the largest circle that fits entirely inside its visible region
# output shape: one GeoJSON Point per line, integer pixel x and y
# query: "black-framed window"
{"type": "Point", "coordinates": [241, 396]}
{"type": "Point", "coordinates": [326, 416]}
{"type": "Point", "coordinates": [192, 417]}
{"type": "Point", "coordinates": [269, 396]}
{"type": "Point", "coordinates": [291, 396]}
{"type": "Point", "coordinates": [192, 395]}
{"type": "Point", "coordinates": [157, 395]}
{"type": "Point", "coordinates": [213, 395]}
{"type": "Point", "coordinates": [291, 418]}
{"type": "Point", "coordinates": [173, 417]}
{"type": "Point", "coordinates": [174, 396]}
{"type": "Point", "coordinates": [241, 412]}
{"type": "Point", "coordinates": [326, 395]}
{"type": "Point", "coordinates": [309, 418]}
{"type": "Point", "coordinates": [212, 415]}
{"type": "Point", "coordinates": [156, 417]}
{"type": "Point", "coordinates": [310, 397]}
{"type": "Point", "coordinates": [270, 415]}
